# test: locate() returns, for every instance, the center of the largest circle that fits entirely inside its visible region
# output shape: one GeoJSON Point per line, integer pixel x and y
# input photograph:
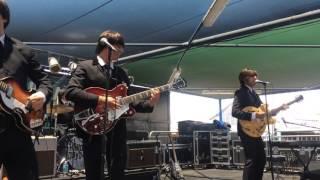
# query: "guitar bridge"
{"type": "Point", "coordinates": [83, 114]}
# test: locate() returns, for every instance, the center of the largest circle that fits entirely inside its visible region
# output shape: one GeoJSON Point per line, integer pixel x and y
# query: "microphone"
{"type": "Point", "coordinates": [104, 41]}
{"type": "Point", "coordinates": [131, 79]}
{"type": "Point", "coordinates": [72, 66]}
{"type": "Point", "coordinates": [262, 82]}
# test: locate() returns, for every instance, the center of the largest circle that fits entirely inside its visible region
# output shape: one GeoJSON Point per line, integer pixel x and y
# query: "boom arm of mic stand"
{"type": "Point", "coordinates": [302, 125]}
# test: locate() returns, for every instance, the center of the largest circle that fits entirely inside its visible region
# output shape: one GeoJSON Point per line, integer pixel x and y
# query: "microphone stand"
{"type": "Point", "coordinates": [301, 125]}
{"type": "Point", "coordinates": [269, 134]}
{"type": "Point", "coordinates": [53, 117]}
{"type": "Point", "coordinates": [103, 137]}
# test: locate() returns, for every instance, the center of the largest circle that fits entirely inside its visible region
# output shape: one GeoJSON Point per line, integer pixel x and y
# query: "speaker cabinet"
{"type": "Point", "coordinates": [150, 174]}
{"type": "Point", "coordinates": [46, 150]}
{"type": "Point", "coordinates": [237, 153]}
{"type": "Point", "coordinates": [143, 154]}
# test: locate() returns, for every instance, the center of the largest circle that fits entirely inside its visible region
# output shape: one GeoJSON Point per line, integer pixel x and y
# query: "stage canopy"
{"type": "Point", "coordinates": [287, 56]}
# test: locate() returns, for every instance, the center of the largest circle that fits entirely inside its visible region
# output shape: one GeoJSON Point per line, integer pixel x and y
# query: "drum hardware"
{"type": "Point", "coordinates": [70, 154]}
{"type": "Point", "coordinates": [60, 108]}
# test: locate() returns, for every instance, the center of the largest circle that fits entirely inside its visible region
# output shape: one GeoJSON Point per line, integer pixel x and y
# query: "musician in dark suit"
{"type": "Point", "coordinates": [253, 147]}
{"type": "Point", "coordinates": [17, 152]}
{"type": "Point", "coordinates": [101, 72]}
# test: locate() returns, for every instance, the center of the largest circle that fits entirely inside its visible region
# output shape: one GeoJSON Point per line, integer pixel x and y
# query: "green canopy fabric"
{"type": "Point", "coordinates": [271, 53]}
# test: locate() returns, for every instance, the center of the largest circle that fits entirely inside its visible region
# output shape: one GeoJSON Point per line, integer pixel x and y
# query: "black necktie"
{"type": "Point", "coordinates": [107, 69]}
{"type": "Point", "coordinates": [1, 46]}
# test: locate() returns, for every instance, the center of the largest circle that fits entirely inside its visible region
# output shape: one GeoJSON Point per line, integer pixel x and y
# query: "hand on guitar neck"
{"type": "Point", "coordinates": [112, 103]}
{"type": "Point", "coordinates": [154, 97]}
{"type": "Point", "coordinates": [36, 101]}
{"type": "Point", "coordinates": [262, 114]}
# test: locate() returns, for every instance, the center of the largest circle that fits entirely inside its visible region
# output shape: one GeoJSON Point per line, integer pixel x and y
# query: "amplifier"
{"type": "Point", "coordinates": [183, 151]}
{"type": "Point", "coordinates": [46, 150]}
{"type": "Point", "coordinates": [220, 145]}
{"type": "Point", "coordinates": [187, 127]}
{"type": "Point", "coordinates": [238, 157]}
{"type": "Point", "coordinates": [143, 154]}
{"type": "Point", "coordinates": [151, 173]}
{"type": "Point", "coordinates": [220, 133]}
{"type": "Point", "coordinates": [134, 174]}
{"type": "Point", "coordinates": [220, 152]}
{"type": "Point", "coordinates": [292, 154]}
{"type": "Point", "coordinates": [201, 147]}
{"type": "Point", "coordinates": [222, 160]}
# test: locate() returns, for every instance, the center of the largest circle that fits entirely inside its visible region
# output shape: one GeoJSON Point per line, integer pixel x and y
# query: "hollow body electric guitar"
{"type": "Point", "coordinates": [97, 122]}
{"type": "Point", "coordinates": [14, 102]}
{"type": "Point", "coordinates": [257, 128]}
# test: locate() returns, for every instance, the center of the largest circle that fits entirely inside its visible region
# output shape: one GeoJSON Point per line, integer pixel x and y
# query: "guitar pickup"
{"type": "Point", "coordinates": [9, 92]}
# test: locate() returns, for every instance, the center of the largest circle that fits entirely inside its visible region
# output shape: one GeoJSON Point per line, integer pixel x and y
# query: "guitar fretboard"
{"type": "Point", "coordinates": [3, 86]}
{"type": "Point", "coordinates": [142, 95]}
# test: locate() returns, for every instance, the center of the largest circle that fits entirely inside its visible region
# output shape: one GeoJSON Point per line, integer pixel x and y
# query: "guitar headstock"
{"type": "Point", "coordinates": [298, 98]}
{"type": "Point", "coordinates": [286, 105]}
{"type": "Point", "coordinates": [179, 83]}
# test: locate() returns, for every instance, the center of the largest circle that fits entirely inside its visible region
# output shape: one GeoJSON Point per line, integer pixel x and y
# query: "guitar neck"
{"type": "Point", "coordinates": [142, 95]}
{"type": "Point", "coordinates": [278, 109]}
{"type": "Point", "coordinates": [3, 86]}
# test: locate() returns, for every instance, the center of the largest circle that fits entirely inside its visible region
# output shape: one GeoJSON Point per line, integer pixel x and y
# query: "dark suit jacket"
{"type": "Point", "coordinates": [243, 98]}
{"type": "Point", "coordinates": [17, 61]}
{"type": "Point", "coordinates": [90, 74]}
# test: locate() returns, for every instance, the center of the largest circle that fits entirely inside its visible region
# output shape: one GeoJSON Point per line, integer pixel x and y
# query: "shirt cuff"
{"type": "Point", "coordinates": [40, 93]}
{"type": "Point", "coordinates": [253, 116]}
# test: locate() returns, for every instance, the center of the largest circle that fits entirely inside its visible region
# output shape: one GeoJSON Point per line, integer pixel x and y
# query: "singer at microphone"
{"type": "Point", "coordinates": [105, 106]}
{"type": "Point", "coordinates": [104, 41]}
{"type": "Point", "coordinates": [253, 146]}
{"type": "Point", "coordinates": [262, 82]}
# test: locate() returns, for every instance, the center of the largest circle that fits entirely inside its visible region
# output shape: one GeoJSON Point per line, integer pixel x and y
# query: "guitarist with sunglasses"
{"type": "Point", "coordinates": [17, 65]}
{"type": "Point", "coordinates": [103, 73]}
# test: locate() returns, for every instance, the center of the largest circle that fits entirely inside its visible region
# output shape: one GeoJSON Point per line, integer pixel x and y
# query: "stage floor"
{"type": "Point", "coordinates": [222, 174]}
{"type": "Point", "coordinates": [202, 174]}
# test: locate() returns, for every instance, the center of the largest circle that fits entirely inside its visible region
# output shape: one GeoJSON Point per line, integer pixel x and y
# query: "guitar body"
{"type": "Point", "coordinates": [118, 91]}
{"type": "Point", "coordinates": [94, 122]}
{"type": "Point", "coordinates": [14, 102]}
{"type": "Point", "coordinates": [97, 122]}
{"type": "Point", "coordinates": [255, 128]}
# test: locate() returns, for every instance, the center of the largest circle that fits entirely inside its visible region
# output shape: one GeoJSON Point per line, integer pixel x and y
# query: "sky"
{"type": "Point", "coordinates": [300, 114]}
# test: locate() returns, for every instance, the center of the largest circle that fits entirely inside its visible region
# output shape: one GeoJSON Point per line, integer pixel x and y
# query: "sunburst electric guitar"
{"type": "Point", "coordinates": [14, 102]}
{"type": "Point", "coordinates": [257, 128]}
{"type": "Point", "coordinates": [95, 122]}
